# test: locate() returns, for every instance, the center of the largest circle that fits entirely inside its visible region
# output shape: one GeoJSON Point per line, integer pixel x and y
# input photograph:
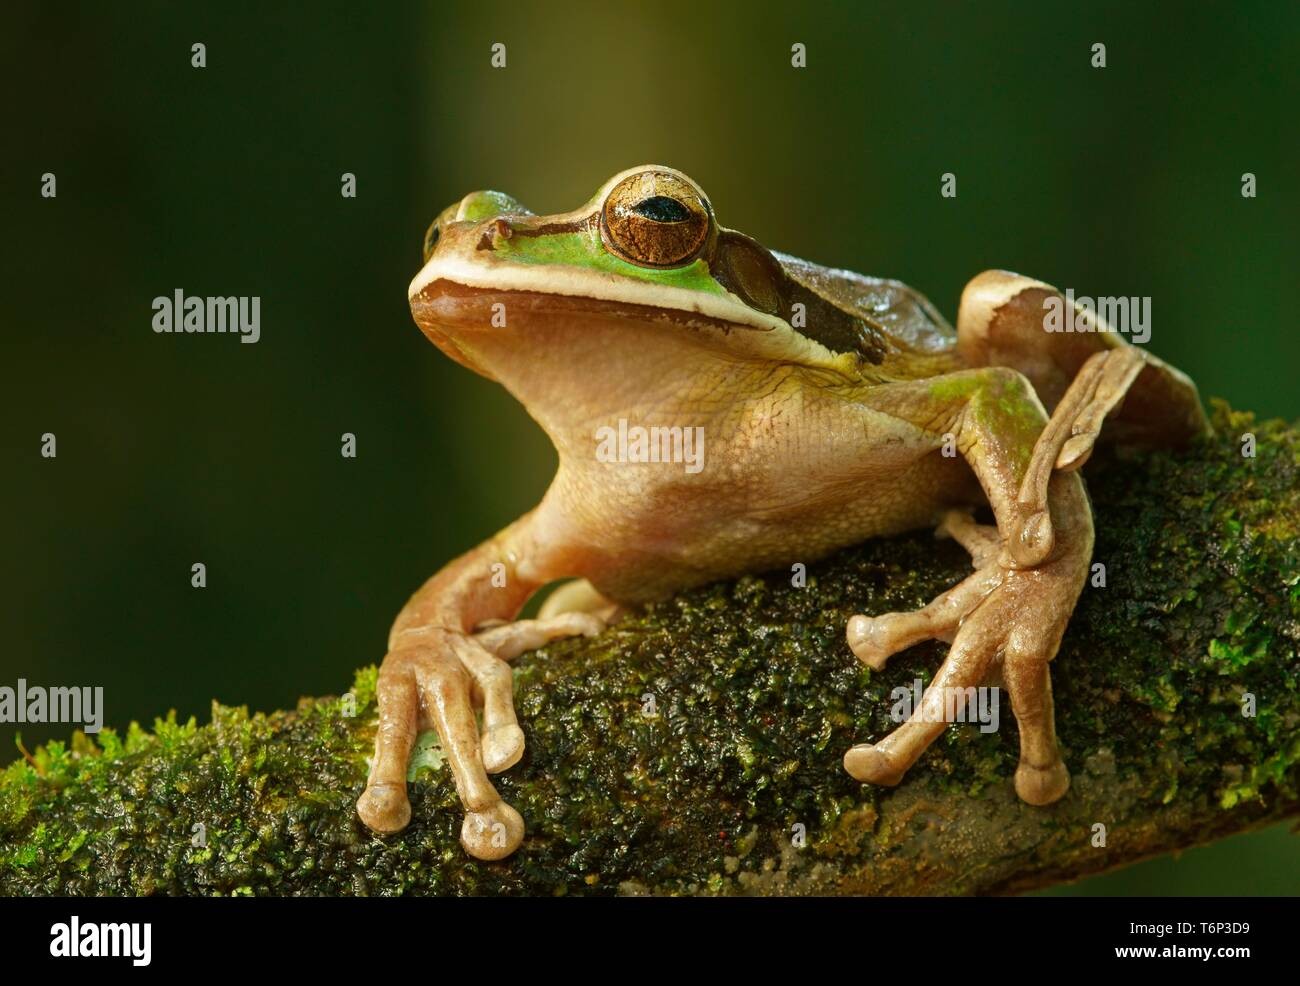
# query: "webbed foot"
{"type": "Point", "coordinates": [1003, 615]}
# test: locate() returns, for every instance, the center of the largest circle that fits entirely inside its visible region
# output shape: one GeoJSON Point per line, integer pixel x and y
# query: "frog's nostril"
{"type": "Point", "coordinates": [494, 232]}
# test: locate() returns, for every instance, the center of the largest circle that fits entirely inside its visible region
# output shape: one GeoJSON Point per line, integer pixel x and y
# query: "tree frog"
{"type": "Point", "coordinates": [821, 407]}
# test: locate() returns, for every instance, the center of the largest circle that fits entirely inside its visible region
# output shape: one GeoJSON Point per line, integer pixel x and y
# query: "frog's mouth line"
{"type": "Point", "coordinates": [450, 303]}
{"type": "Point", "coordinates": [558, 281]}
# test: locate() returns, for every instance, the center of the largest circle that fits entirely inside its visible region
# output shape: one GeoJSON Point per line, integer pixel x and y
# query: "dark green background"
{"type": "Point", "coordinates": [225, 181]}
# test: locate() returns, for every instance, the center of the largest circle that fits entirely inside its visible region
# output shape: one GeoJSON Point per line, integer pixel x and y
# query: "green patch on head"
{"type": "Point", "coordinates": [484, 205]}
{"type": "Point", "coordinates": [585, 250]}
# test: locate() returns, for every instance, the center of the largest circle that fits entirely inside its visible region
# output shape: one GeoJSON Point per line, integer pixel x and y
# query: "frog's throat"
{"type": "Point", "coordinates": [598, 285]}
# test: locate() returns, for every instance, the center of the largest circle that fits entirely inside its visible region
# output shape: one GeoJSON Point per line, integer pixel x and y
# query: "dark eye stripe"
{"type": "Point", "coordinates": [662, 209]}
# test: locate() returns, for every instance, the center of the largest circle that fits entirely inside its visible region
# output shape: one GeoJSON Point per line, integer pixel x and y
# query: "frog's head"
{"type": "Point", "coordinates": [639, 282]}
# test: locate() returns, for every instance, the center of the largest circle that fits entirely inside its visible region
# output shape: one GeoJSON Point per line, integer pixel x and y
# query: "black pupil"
{"type": "Point", "coordinates": [662, 209]}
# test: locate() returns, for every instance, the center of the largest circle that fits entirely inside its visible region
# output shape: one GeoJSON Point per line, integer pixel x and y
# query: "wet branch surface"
{"type": "Point", "coordinates": [757, 698]}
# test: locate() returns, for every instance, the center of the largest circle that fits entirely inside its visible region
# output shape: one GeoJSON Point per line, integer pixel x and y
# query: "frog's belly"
{"type": "Point", "coordinates": [677, 546]}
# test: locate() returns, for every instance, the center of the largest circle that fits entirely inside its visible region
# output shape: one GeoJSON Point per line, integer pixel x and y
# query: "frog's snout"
{"type": "Point", "coordinates": [474, 208]}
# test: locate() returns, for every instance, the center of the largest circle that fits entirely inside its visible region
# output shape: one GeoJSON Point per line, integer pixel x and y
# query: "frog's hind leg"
{"type": "Point", "coordinates": [1085, 376]}
{"type": "Point", "coordinates": [1002, 321]}
{"type": "Point", "coordinates": [1100, 385]}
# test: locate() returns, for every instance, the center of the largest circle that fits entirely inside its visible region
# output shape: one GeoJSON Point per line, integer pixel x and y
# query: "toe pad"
{"type": "Point", "coordinates": [384, 808]}
{"type": "Point", "coordinates": [1042, 785]}
{"type": "Point", "coordinates": [866, 640]}
{"type": "Point", "coordinates": [493, 833]}
{"type": "Point", "coordinates": [867, 763]}
{"type": "Point", "coordinates": [502, 748]}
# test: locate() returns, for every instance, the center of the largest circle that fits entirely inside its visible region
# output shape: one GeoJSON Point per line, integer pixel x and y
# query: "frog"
{"type": "Point", "coordinates": [830, 406]}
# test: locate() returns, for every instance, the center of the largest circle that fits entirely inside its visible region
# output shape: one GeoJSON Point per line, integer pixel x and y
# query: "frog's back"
{"type": "Point", "coordinates": [898, 333]}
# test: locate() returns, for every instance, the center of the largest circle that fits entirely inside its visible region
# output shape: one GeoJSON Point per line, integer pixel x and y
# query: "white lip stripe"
{"type": "Point", "coordinates": [582, 283]}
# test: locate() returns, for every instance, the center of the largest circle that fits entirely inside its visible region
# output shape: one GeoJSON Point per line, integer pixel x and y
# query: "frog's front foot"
{"type": "Point", "coordinates": [431, 678]}
{"type": "Point", "coordinates": [503, 742]}
{"type": "Point", "coordinates": [1000, 613]}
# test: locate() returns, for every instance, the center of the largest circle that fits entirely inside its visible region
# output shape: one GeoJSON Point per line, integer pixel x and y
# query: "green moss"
{"type": "Point", "coordinates": [756, 699]}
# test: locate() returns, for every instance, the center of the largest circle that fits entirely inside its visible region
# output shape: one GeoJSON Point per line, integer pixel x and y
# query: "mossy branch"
{"type": "Point", "coordinates": [757, 698]}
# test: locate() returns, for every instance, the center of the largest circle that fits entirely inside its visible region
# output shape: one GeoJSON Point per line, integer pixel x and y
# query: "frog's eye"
{"type": "Point", "coordinates": [431, 239]}
{"type": "Point", "coordinates": [656, 219]}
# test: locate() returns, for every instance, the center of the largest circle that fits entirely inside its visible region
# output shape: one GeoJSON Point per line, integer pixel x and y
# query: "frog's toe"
{"type": "Point", "coordinates": [580, 596]}
{"type": "Point", "coordinates": [1119, 369]}
{"type": "Point", "coordinates": [586, 624]}
{"type": "Point", "coordinates": [867, 763]}
{"type": "Point", "coordinates": [493, 833]}
{"type": "Point", "coordinates": [384, 808]}
{"type": "Point", "coordinates": [982, 541]}
{"type": "Point", "coordinates": [1034, 540]}
{"type": "Point", "coordinates": [871, 640]}
{"type": "Point", "coordinates": [502, 747]}
{"type": "Point", "coordinates": [508, 640]}
{"type": "Point", "coordinates": [1076, 451]}
{"type": "Point", "coordinates": [1042, 785]}
{"type": "Point", "coordinates": [874, 639]}
{"type": "Point", "coordinates": [1067, 441]}
{"type": "Point", "coordinates": [383, 805]}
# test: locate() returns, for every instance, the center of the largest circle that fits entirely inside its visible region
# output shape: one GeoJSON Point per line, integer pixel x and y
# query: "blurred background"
{"type": "Point", "coordinates": [226, 181]}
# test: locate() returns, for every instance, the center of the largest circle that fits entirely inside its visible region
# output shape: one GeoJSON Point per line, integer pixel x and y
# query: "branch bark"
{"type": "Point", "coordinates": [757, 698]}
